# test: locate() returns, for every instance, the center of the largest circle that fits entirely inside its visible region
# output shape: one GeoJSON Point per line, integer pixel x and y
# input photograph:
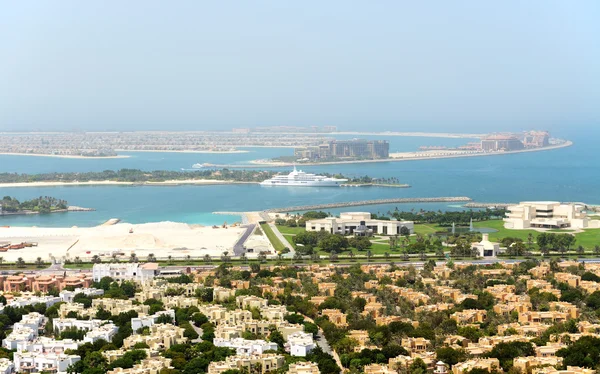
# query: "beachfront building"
{"type": "Point", "coordinates": [486, 248]}
{"type": "Point", "coordinates": [354, 148]}
{"type": "Point", "coordinates": [141, 273]}
{"type": "Point", "coordinates": [499, 142]}
{"type": "Point", "coordinates": [548, 215]}
{"type": "Point", "coordinates": [360, 223]}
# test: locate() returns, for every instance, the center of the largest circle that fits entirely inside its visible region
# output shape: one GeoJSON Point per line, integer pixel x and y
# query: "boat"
{"type": "Point", "coordinates": [298, 178]}
{"type": "Point", "coordinates": [199, 166]}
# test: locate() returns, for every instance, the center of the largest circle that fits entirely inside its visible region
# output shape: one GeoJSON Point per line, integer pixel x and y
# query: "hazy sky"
{"type": "Point", "coordinates": [390, 65]}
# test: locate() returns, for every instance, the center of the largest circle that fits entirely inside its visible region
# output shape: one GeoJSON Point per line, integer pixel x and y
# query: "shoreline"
{"type": "Point", "coordinates": [199, 182]}
{"type": "Point", "coordinates": [63, 156]}
{"type": "Point", "coordinates": [415, 157]}
{"type": "Point", "coordinates": [183, 151]}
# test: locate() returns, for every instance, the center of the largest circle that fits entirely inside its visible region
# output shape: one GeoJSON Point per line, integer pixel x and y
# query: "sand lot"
{"type": "Point", "coordinates": [162, 239]}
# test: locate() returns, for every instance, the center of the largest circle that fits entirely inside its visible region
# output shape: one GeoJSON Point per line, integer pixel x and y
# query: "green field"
{"type": "Point", "coordinates": [277, 244]}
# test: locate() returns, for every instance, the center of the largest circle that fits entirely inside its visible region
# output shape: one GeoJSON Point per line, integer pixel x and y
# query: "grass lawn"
{"type": "Point", "coordinates": [277, 244]}
{"type": "Point", "coordinates": [290, 230]}
{"type": "Point", "coordinates": [502, 232]}
{"type": "Point", "coordinates": [588, 239]}
{"type": "Point", "coordinates": [428, 228]}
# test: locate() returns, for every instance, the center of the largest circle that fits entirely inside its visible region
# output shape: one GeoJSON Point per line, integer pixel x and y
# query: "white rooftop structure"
{"type": "Point", "coordinates": [125, 271]}
{"type": "Point", "coordinates": [33, 362]}
{"type": "Point", "coordinates": [246, 347]}
{"type": "Point", "coordinates": [300, 344]}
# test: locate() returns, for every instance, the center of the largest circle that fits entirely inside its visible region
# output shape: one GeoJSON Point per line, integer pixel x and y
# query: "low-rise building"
{"type": "Point", "coordinates": [304, 368]}
{"type": "Point", "coordinates": [141, 273]}
{"type": "Point", "coordinates": [300, 344]}
{"type": "Point", "coordinates": [359, 223]}
{"type": "Point", "coordinates": [489, 364]}
{"type": "Point", "coordinates": [43, 362]}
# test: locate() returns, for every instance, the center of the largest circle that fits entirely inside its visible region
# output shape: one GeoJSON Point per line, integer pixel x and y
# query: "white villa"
{"type": "Point", "coordinates": [547, 214]}
{"type": "Point", "coordinates": [486, 248]}
{"type": "Point", "coordinates": [359, 223]}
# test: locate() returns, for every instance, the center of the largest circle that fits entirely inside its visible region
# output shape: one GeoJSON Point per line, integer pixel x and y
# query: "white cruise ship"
{"type": "Point", "coordinates": [298, 178]}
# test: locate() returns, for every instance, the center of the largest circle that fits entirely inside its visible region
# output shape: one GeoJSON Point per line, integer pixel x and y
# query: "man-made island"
{"type": "Point", "coordinates": [40, 205]}
{"type": "Point", "coordinates": [169, 178]}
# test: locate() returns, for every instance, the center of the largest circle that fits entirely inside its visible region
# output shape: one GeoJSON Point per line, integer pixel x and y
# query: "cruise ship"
{"type": "Point", "coordinates": [298, 178]}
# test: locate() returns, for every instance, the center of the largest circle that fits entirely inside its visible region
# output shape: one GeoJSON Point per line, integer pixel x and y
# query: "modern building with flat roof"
{"type": "Point", "coordinates": [547, 215]}
{"type": "Point", "coordinates": [359, 223]}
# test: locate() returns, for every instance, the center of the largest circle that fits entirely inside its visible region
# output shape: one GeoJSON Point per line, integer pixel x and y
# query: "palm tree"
{"type": "Point", "coordinates": [77, 260]}
{"type": "Point", "coordinates": [422, 255]}
{"type": "Point", "coordinates": [114, 257]}
{"type": "Point", "coordinates": [170, 258]}
{"type": "Point", "coordinates": [580, 250]}
{"type": "Point", "coordinates": [297, 257]}
{"type": "Point", "coordinates": [596, 251]}
{"type": "Point", "coordinates": [39, 262]}
{"type": "Point", "coordinates": [188, 258]}
{"type": "Point", "coordinates": [207, 259]}
{"type": "Point", "coordinates": [351, 254]}
{"type": "Point", "coordinates": [315, 257]}
{"type": "Point", "coordinates": [133, 258]}
{"type": "Point", "coordinates": [1, 260]}
{"type": "Point", "coordinates": [225, 257]}
{"type": "Point", "coordinates": [96, 259]}
{"type": "Point", "coordinates": [244, 258]}
{"type": "Point", "coordinates": [333, 256]}
{"type": "Point", "coordinates": [439, 252]}
{"type": "Point", "coordinates": [405, 256]}
{"type": "Point", "coordinates": [20, 262]}
{"type": "Point", "coordinates": [369, 254]}
{"type": "Point", "coordinates": [279, 258]}
{"type": "Point", "coordinates": [262, 257]}
{"type": "Point", "coordinates": [530, 240]}
{"type": "Point", "coordinates": [151, 258]}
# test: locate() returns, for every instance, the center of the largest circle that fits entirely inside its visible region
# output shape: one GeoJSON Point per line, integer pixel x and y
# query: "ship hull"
{"type": "Point", "coordinates": [301, 183]}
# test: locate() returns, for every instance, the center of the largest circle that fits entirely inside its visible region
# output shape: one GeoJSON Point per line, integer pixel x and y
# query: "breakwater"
{"type": "Point", "coordinates": [487, 205]}
{"type": "Point", "coordinates": [371, 202]}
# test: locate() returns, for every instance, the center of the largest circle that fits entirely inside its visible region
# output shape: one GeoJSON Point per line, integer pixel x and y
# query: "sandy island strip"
{"type": "Point", "coordinates": [400, 156]}
{"type": "Point", "coordinates": [63, 156]}
{"type": "Point", "coordinates": [182, 151]}
{"type": "Point", "coordinates": [198, 182]}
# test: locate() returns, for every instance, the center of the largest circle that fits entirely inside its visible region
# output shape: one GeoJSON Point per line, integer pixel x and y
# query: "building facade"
{"type": "Point", "coordinates": [360, 223]}
{"type": "Point", "coordinates": [547, 214]}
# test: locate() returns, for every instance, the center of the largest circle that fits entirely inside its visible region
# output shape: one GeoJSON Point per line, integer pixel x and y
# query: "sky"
{"type": "Point", "coordinates": [454, 66]}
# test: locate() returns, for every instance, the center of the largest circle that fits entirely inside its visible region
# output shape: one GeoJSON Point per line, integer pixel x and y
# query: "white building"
{"type": "Point", "coordinates": [21, 301]}
{"type": "Point", "coordinates": [147, 321]}
{"type": "Point", "coordinates": [18, 335]}
{"type": "Point", "coordinates": [300, 344]}
{"type": "Point", "coordinates": [486, 248]}
{"type": "Point", "coordinates": [61, 324]}
{"type": "Point", "coordinates": [547, 214]}
{"type": "Point", "coordinates": [29, 362]}
{"type": "Point", "coordinates": [6, 366]}
{"type": "Point", "coordinates": [105, 332]}
{"type": "Point", "coordinates": [246, 347]}
{"type": "Point", "coordinates": [125, 271]}
{"type": "Point", "coordinates": [67, 296]}
{"type": "Point", "coordinates": [359, 223]}
{"type": "Point", "coordinates": [44, 344]}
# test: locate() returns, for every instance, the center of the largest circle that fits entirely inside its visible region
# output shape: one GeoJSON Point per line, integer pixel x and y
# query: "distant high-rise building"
{"type": "Point", "coordinates": [536, 139]}
{"type": "Point", "coordinates": [356, 148]}
{"type": "Point", "coordinates": [501, 143]}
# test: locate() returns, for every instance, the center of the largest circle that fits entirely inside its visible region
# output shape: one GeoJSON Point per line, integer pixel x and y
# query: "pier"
{"type": "Point", "coordinates": [406, 200]}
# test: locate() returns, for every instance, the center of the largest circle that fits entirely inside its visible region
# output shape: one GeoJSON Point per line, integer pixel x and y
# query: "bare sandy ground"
{"type": "Point", "coordinates": [161, 239]}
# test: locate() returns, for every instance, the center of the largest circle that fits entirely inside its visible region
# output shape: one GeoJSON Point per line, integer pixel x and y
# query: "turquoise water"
{"type": "Point", "coordinates": [569, 174]}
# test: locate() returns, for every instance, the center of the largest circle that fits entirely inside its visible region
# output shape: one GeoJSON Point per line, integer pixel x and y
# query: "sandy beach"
{"type": "Point", "coordinates": [62, 156]}
{"type": "Point", "coordinates": [198, 182]}
{"type": "Point", "coordinates": [161, 239]}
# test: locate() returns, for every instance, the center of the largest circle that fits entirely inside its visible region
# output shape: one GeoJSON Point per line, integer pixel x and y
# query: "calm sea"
{"type": "Point", "coordinates": [569, 174]}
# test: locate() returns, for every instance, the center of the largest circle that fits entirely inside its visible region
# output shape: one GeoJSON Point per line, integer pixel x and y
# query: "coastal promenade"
{"type": "Point", "coordinates": [371, 202]}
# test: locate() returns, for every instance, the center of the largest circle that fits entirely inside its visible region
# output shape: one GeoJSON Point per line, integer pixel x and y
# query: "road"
{"type": "Point", "coordinates": [238, 247]}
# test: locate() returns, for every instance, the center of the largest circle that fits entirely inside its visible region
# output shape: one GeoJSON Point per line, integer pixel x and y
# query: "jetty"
{"type": "Point", "coordinates": [488, 205]}
{"type": "Point", "coordinates": [405, 200]}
